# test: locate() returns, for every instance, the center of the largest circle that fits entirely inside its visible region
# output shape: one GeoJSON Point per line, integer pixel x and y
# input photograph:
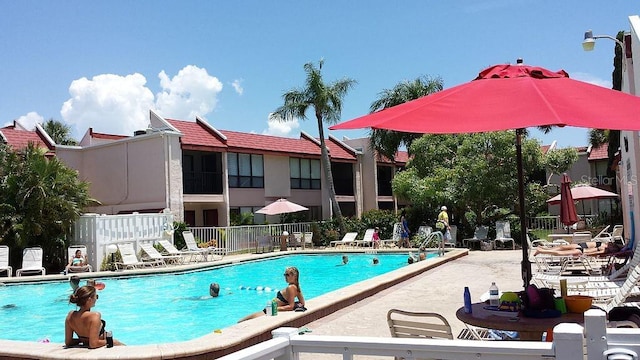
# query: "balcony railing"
{"type": "Point", "coordinates": [202, 182]}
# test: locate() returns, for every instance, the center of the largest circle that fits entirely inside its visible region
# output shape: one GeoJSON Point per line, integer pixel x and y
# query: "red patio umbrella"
{"type": "Point", "coordinates": [568, 214]}
{"type": "Point", "coordinates": [506, 97]}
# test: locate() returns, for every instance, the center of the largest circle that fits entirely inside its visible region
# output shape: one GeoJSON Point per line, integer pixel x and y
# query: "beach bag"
{"type": "Point", "coordinates": [539, 302]}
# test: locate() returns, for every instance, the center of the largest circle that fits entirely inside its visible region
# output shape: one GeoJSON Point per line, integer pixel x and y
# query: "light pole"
{"type": "Point", "coordinates": [590, 41]}
{"type": "Point", "coordinates": [112, 249]}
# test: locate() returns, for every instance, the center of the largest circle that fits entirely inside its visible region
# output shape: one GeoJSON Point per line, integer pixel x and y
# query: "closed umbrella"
{"type": "Point", "coordinates": [505, 97]}
{"type": "Point", "coordinates": [281, 206]}
{"type": "Point", "coordinates": [568, 214]}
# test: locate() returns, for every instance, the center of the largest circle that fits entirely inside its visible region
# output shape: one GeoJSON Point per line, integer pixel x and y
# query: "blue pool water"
{"type": "Point", "coordinates": [174, 307]}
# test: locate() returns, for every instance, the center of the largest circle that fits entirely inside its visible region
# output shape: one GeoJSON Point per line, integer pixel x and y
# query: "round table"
{"type": "Point", "coordinates": [529, 329]}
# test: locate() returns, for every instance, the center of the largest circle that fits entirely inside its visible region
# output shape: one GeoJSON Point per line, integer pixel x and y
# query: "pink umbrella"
{"type": "Point", "coordinates": [281, 206]}
{"type": "Point", "coordinates": [506, 97]}
{"type": "Point", "coordinates": [568, 213]}
{"type": "Point", "coordinates": [585, 192]}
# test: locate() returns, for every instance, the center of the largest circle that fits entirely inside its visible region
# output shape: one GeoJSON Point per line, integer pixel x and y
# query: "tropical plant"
{"type": "Point", "coordinates": [59, 132]}
{"type": "Point", "coordinates": [387, 142]}
{"type": "Point", "coordinates": [40, 199]}
{"type": "Point", "coordinates": [326, 101]}
{"type": "Point", "coordinates": [558, 161]}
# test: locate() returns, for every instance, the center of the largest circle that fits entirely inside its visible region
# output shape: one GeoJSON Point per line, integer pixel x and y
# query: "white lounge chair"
{"type": "Point", "coordinates": [479, 236]}
{"type": "Point", "coordinates": [4, 260]}
{"type": "Point", "coordinates": [453, 231]}
{"type": "Point", "coordinates": [31, 261]}
{"type": "Point", "coordinates": [155, 255]}
{"type": "Point", "coordinates": [503, 235]}
{"type": "Point", "coordinates": [349, 239]}
{"type": "Point", "coordinates": [71, 252]}
{"type": "Point", "coordinates": [205, 253]}
{"type": "Point", "coordinates": [395, 237]}
{"type": "Point", "coordinates": [130, 259]}
{"type": "Point", "coordinates": [308, 239]}
{"type": "Point", "coordinates": [172, 250]}
{"type": "Point", "coordinates": [367, 239]}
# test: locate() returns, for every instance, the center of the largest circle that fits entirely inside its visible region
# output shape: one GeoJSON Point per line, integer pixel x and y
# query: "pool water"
{"type": "Point", "coordinates": [174, 307]}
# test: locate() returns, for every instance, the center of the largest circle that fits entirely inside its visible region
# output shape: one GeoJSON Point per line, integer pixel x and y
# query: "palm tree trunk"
{"type": "Point", "coordinates": [326, 166]}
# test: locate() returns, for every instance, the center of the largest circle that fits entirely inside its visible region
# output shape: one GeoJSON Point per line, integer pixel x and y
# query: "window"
{"type": "Point", "coordinates": [245, 170]}
{"type": "Point", "coordinates": [305, 173]}
{"type": "Point", "coordinates": [342, 178]}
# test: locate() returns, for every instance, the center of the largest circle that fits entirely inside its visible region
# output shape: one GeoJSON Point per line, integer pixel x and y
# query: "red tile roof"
{"type": "Point", "coordinates": [599, 153]}
{"type": "Point", "coordinates": [256, 143]}
{"type": "Point", "coordinates": [545, 148]}
{"type": "Point", "coordinates": [337, 150]}
{"type": "Point", "coordinates": [18, 138]}
{"type": "Point", "coordinates": [197, 137]}
{"type": "Point", "coordinates": [97, 135]}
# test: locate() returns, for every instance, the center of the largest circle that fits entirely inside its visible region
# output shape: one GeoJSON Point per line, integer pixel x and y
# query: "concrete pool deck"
{"type": "Point", "coordinates": [348, 311]}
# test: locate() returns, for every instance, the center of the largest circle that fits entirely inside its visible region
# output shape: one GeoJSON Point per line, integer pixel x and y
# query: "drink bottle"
{"type": "Point", "coordinates": [494, 295]}
{"type": "Point", "coordinates": [467, 300]}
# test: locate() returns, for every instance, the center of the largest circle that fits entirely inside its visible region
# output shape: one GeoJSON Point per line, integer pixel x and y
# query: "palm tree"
{"type": "Point", "coordinates": [326, 100]}
{"type": "Point", "coordinates": [59, 132]}
{"type": "Point", "coordinates": [387, 142]}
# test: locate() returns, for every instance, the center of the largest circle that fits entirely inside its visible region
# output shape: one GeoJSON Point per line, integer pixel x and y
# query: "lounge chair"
{"type": "Point", "coordinates": [192, 247]}
{"type": "Point", "coordinates": [308, 239]}
{"type": "Point", "coordinates": [130, 259]}
{"type": "Point", "coordinates": [215, 253]}
{"type": "Point", "coordinates": [367, 239]}
{"type": "Point", "coordinates": [31, 261]}
{"type": "Point", "coordinates": [349, 239]}
{"type": "Point", "coordinates": [453, 231]}
{"type": "Point", "coordinates": [395, 237]}
{"type": "Point", "coordinates": [71, 252]}
{"type": "Point", "coordinates": [295, 240]}
{"type": "Point", "coordinates": [503, 235]}
{"type": "Point", "coordinates": [479, 236]}
{"type": "Point", "coordinates": [4, 260]}
{"type": "Point", "coordinates": [409, 324]}
{"type": "Point", "coordinates": [171, 250]}
{"type": "Point", "coordinates": [155, 255]}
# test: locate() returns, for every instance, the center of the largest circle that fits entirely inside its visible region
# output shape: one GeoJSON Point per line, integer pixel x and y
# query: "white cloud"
{"type": "Point", "coordinates": [280, 128]}
{"type": "Point", "coordinates": [109, 103]}
{"type": "Point", "coordinates": [192, 92]}
{"type": "Point", "coordinates": [237, 86]}
{"type": "Point", "coordinates": [588, 78]}
{"type": "Point", "coordinates": [118, 104]}
{"type": "Point", "coordinates": [29, 120]}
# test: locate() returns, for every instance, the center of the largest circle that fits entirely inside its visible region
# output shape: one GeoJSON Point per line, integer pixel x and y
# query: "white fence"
{"type": "Point", "coordinates": [570, 342]}
{"type": "Point", "coordinates": [552, 222]}
{"type": "Point", "coordinates": [96, 231]}
{"type": "Point", "coordinates": [238, 239]}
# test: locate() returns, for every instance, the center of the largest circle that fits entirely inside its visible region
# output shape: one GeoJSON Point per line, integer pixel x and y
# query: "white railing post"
{"type": "Point", "coordinates": [287, 333]}
{"type": "Point", "coordinates": [568, 341]}
{"type": "Point", "coordinates": [595, 323]}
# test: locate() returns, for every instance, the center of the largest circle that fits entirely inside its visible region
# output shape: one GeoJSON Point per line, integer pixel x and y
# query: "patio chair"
{"type": "Point", "coordinates": [71, 253]}
{"type": "Point", "coordinates": [503, 235]}
{"type": "Point", "coordinates": [31, 262]}
{"type": "Point", "coordinates": [423, 325]}
{"type": "Point", "coordinates": [171, 250]}
{"type": "Point", "coordinates": [349, 239]}
{"type": "Point", "coordinates": [155, 255]}
{"type": "Point", "coordinates": [193, 248]}
{"type": "Point", "coordinates": [308, 239]}
{"type": "Point", "coordinates": [295, 240]}
{"type": "Point", "coordinates": [367, 239]}
{"type": "Point", "coordinates": [264, 243]}
{"type": "Point", "coordinates": [479, 236]}
{"type": "Point", "coordinates": [453, 231]}
{"type": "Point", "coordinates": [129, 258]}
{"type": "Point", "coordinates": [4, 260]}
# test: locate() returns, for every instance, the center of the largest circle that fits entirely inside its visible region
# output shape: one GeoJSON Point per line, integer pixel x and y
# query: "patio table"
{"type": "Point", "coordinates": [529, 329]}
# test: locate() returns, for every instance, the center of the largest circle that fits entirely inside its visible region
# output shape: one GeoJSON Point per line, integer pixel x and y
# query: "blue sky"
{"type": "Point", "coordinates": [104, 64]}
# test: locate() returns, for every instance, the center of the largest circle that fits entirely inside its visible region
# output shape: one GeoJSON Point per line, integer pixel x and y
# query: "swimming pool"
{"type": "Point", "coordinates": [177, 307]}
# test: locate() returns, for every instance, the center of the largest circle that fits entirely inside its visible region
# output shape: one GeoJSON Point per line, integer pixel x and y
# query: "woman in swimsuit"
{"type": "Point", "coordinates": [76, 261]}
{"type": "Point", "coordinates": [586, 248]}
{"type": "Point", "coordinates": [85, 323]}
{"type": "Point", "coordinates": [286, 298]}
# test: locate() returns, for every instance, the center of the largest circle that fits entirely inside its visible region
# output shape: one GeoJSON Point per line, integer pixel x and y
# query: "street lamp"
{"type": "Point", "coordinates": [112, 249]}
{"type": "Point", "coordinates": [590, 40]}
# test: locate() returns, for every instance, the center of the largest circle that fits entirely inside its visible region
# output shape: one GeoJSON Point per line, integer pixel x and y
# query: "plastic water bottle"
{"type": "Point", "coordinates": [467, 301]}
{"type": "Point", "coordinates": [269, 309]}
{"type": "Point", "coordinates": [494, 295]}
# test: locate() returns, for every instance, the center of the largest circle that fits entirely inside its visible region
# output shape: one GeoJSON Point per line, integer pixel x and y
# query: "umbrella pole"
{"type": "Point", "coordinates": [526, 265]}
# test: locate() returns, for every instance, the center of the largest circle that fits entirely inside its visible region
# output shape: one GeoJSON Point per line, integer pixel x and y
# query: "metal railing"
{"type": "Point", "coordinates": [238, 239]}
{"type": "Point", "coordinates": [552, 222]}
